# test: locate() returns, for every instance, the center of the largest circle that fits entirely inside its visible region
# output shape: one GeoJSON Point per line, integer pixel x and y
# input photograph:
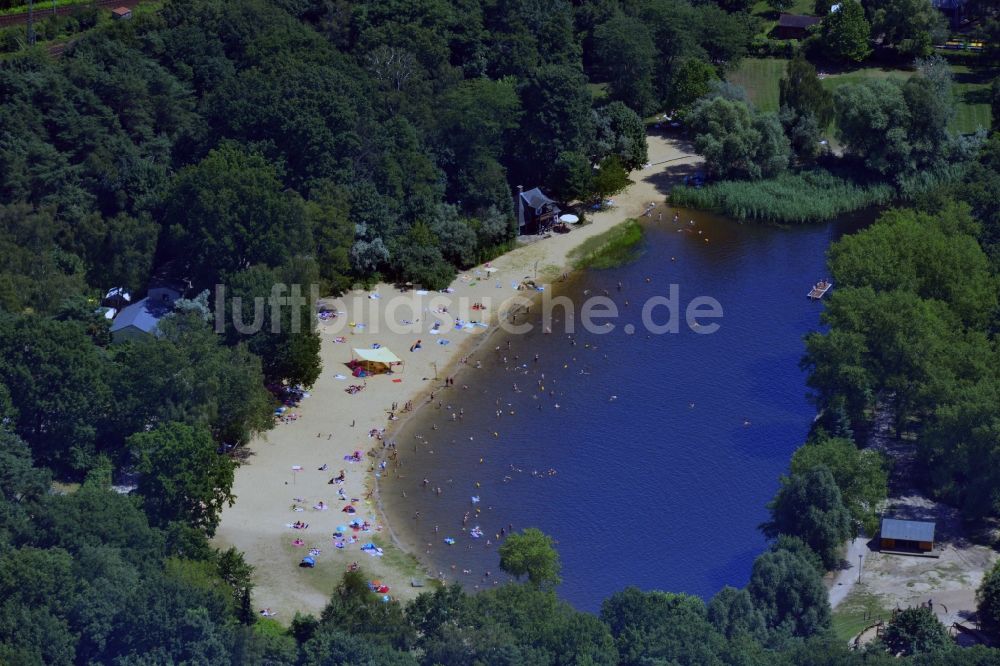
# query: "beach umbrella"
{"type": "Point", "coordinates": [308, 562]}
{"type": "Point", "coordinates": [569, 218]}
{"type": "Point", "coordinates": [341, 528]}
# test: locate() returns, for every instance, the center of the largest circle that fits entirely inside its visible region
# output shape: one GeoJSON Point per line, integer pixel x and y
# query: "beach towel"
{"type": "Point", "coordinates": [397, 381]}
{"type": "Point", "coordinates": [444, 341]}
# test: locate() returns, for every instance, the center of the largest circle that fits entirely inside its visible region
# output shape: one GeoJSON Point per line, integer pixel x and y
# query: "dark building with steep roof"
{"type": "Point", "coordinates": [794, 26]}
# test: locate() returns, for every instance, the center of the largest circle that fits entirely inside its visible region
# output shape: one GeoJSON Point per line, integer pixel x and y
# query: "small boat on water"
{"type": "Point", "coordinates": [819, 289]}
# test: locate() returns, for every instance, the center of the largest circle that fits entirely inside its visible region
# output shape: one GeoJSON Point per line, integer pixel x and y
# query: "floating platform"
{"type": "Point", "coordinates": [819, 290]}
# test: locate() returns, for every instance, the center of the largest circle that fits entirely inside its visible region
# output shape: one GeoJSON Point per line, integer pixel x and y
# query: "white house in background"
{"type": "Point", "coordinates": [142, 318]}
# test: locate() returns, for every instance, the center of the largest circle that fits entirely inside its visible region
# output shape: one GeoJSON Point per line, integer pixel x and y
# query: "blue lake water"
{"type": "Point", "coordinates": [662, 486]}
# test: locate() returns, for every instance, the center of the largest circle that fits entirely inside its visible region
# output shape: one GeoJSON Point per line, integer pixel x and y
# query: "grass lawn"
{"type": "Point", "coordinates": [972, 87]}
{"type": "Point", "coordinates": [856, 612]}
{"type": "Point", "coordinates": [41, 6]}
{"type": "Point", "coordinates": [598, 92]}
{"type": "Point", "coordinates": [759, 76]}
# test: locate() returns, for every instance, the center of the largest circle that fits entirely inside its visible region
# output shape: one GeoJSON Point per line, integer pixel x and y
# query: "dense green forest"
{"type": "Point", "coordinates": [246, 142]}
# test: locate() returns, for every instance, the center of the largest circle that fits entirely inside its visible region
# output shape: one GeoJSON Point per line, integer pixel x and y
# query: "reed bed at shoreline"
{"type": "Point", "coordinates": [809, 196]}
{"type": "Point", "coordinates": [614, 247]}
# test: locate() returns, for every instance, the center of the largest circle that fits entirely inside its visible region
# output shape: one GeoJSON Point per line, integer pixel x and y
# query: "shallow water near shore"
{"type": "Point", "coordinates": [648, 458]}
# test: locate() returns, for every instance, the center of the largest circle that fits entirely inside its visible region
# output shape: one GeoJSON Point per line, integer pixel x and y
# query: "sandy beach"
{"type": "Point", "coordinates": [290, 469]}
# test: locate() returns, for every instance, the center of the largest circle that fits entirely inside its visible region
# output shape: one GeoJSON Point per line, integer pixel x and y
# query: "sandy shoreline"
{"type": "Point", "coordinates": [332, 424]}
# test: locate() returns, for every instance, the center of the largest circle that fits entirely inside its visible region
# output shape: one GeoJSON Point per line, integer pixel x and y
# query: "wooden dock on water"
{"type": "Point", "coordinates": [819, 289]}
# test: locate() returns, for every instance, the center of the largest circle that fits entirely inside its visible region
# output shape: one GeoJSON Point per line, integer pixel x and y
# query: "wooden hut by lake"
{"type": "Point", "coordinates": [907, 535]}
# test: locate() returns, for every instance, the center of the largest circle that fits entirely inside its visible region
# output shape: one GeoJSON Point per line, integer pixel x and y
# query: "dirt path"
{"type": "Point", "coordinates": [844, 580]}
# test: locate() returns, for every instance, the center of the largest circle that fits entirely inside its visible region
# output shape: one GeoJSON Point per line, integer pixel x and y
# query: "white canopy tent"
{"type": "Point", "coordinates": [376, 360]}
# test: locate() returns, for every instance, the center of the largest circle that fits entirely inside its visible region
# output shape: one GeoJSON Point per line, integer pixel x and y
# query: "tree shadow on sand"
{"type": "Point", "coordinates": [672, 174]}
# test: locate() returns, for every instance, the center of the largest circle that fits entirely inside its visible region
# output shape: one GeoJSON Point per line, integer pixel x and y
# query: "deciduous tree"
{"type": "Point", "coordinates": [620, 132]}
{"type": "Point", "coordinates": [790, 594]}
{"type": "Point", "coordinates": [913, 27]}
{"type": "Point", "coordinates": [809, 506]}
{"type": "Point", "coordinates": [57, 384]}
{"type": "Point", "coordinates": [846, 32]}
{"type": "Point", "coordinates": [624, 47]}
{"type": "Point", "coordinates": [860, 474]}
{"type": "Point", "coordinates": [183, 476]}
{"type": "Point", "coordinates": [230, 212]}
{"type": "Point", "coordinates": [531, 554]}
{"type": "Point", "coordinates": [915, 631]}
{"type": "Point", "coordinates": [735, 140]}
{"type": "Point", "coordinates": [988, 599]}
